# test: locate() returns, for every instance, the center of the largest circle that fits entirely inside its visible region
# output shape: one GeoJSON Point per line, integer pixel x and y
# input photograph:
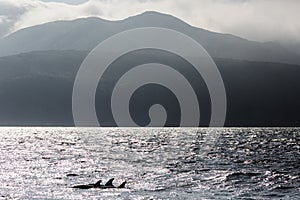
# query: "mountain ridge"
{"type": "Point", "coordinates": [86, 33]}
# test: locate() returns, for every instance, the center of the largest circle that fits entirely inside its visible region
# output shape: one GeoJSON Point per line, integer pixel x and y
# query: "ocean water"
{"type": "Point", "coordinates": [157, 163]}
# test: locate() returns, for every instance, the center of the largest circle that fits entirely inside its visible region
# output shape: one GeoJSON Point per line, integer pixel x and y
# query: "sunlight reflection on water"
{"type": "Point", "coordinates": [157, 163]}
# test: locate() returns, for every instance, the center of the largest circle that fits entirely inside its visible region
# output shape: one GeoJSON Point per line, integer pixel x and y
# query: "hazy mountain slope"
{"type": "Point", "coordinates": [36, 89]}
{"type": "Point", "coordinates": [85, 34]}
{"type": "Point", "coordinates": [293, 47]}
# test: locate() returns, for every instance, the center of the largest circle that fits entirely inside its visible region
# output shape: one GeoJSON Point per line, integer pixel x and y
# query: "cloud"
{"type": "Point", "coordinates": [262, 20]}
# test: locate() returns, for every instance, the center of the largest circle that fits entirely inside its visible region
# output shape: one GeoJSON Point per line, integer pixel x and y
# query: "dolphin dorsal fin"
{"type": "Point", "coordinates": [109, 183]}
{"type": "Point", "coordinates": [122, 185]}
{"type": "Point", "coordinates": [98, 183]}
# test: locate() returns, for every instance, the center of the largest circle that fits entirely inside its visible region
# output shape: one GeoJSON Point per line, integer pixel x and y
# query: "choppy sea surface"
{"type": "Point", "coordinates": [157, 163]}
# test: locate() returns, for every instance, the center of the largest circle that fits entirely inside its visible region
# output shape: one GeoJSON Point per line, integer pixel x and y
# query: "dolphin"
{"type": "Point", "coordinates": [88, 186]}
{"type": "Point", "coordinates": [122, 185]}
{"type": "Point", "coordinates": [108, 184]}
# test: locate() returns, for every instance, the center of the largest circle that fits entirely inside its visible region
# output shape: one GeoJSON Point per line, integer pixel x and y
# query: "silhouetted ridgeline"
{"type": "Point", "coordinates": [36, 90]}
{"type": "Point", "coordinates": [85, 34]}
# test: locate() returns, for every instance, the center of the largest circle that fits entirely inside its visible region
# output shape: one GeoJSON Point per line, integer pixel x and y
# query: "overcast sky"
{"type": "Point", "coordinates": [262, 20]}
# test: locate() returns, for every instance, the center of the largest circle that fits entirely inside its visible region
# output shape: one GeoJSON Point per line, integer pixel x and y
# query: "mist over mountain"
{"type": "Point", "coordinates": [36, 88]}
{"type": "Point", "coordinates": [38, 66]}
{"type": "Point", "coordinates": [85, 34]}
{"type": "Point", "coordinates": [293, 47]}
